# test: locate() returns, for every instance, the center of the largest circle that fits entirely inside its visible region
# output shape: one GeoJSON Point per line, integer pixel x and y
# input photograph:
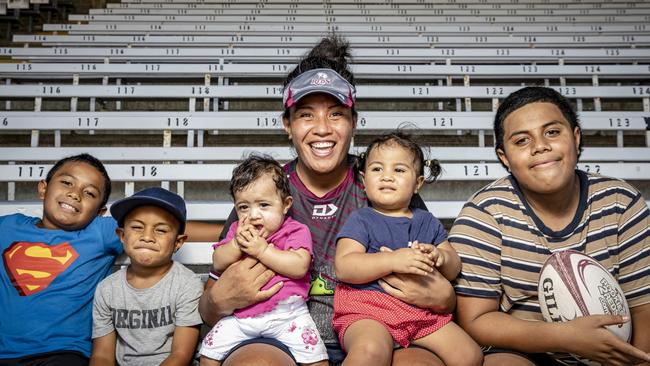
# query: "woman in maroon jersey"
{"type": "Point", "coordinates": [319, 118]}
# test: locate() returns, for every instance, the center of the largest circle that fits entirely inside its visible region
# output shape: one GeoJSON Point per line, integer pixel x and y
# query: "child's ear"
{"type": "Point", "coordinates": [120, 233]}
{"type": "Point", "coordinates": [577, 136]}
{"type": "Point", "coordinates": [419, 183]}
{"type": "Point", "coordinates": [42, 188]}
{"type": "Point", "coordinates": [102, 211]}
{"type": "Point", "coordinates": [287, 204]}
{"type": "Point", "coordinates": [504, 159]}
{"type": "Point", "coordinates": [180, 240]}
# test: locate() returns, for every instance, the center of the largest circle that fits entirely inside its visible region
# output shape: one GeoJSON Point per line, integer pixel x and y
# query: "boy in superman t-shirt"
{"type": "Point", "coordinates": [51, 266]}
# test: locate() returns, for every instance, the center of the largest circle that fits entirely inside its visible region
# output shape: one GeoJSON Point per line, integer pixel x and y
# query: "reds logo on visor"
{"type": "Point", "coordinates": [319, 81]}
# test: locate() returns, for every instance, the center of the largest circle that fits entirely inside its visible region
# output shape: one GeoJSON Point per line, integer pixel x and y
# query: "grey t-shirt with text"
{"type": "Point", "coordinates": [145, 319]}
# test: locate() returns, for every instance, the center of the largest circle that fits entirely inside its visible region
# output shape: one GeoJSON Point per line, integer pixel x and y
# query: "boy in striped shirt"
{"type": "Point", "coordinates": [508, 229]}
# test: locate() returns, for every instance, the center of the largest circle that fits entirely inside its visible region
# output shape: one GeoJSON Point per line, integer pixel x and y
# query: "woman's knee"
{"type": "Point", "coordinates": [506, 359]}
{"type": "Point", "coordinates": [415, 356]}
{"type": "Point", "coordinates": [466, 357]}
{"type": "Point", "coordinates": [258, 355]}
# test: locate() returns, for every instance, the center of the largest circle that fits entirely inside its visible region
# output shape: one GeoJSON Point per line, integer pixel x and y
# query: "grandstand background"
{"type": "Point", "coordinates": [174, 93]}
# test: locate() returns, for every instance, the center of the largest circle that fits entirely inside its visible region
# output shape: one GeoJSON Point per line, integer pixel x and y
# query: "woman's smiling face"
{"type": "Point", "coordinates": [321, 130]}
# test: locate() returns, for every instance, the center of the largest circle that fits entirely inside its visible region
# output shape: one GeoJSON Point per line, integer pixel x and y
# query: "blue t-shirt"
{"type": "Point", "coordinates": [47, 284]}
{"type": "Point", "coordinates": [374, 230]}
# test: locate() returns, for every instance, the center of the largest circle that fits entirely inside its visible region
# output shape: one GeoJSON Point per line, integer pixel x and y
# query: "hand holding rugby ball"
{"type": "Point", "coordinates": [572, 284]}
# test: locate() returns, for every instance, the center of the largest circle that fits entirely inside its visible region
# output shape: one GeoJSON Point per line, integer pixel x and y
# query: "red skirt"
{"type": "Point", "coordinates": [404, 322]}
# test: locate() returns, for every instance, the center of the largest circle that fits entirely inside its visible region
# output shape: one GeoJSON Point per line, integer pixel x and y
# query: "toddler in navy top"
{"type": "Point", "coordinates": [365, 317]}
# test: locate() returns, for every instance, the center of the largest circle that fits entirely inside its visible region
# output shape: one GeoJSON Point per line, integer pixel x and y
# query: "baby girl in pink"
{"type": "Point", "coordinates": [262, 199]}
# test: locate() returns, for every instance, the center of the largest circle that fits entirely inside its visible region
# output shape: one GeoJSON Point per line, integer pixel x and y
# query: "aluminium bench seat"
{"type": "Point", "coordinates": [272, 91]}
{"type": "Point", "coordinates": [397, 18]}
{"type": "Point", "coordinates": [283, 55]}
{"type": "Point", "coordinates": [116, 8]}
{"type": "Point", "coordinates": [270, 121]}
{"type": "Point", "coordinates": [94, 14]}
{"type": "Point", "coordinates": [234, 154]}
{"type": "Point", "coordinates": [341, 1]}
{"type": "Point", "coordinates": [54, 70]}
{"type": "Point", "coordinates": [413, 40]}
{"type": "Point", "coordinates": [210, 28]}
{"type": "Point", "coordinates": [371, 9]}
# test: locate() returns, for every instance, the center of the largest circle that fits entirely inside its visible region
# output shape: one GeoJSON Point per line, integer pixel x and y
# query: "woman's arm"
{"type": "Point", "coordinates": [183, 346]}
{"type": "Point", "coordinates": [432, 291]}
{"type": "Point", "coordinates": [104, 350]}
{"type": "Point", "coordinates": [238, 286]}
{"type": "Point", "coordinates": [198, 231]}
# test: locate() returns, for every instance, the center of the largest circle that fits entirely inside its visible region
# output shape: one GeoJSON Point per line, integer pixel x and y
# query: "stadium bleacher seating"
{"type": "Point", "coordinates": [179, 91]}
{"type": "Point", "coordinates": [29, 15]}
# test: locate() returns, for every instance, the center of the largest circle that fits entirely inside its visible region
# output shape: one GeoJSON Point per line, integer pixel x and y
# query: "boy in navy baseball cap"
{"type": "Point", "coordinates": [139, 310]}
{"type": "Point", "coordinates": [154, 196]}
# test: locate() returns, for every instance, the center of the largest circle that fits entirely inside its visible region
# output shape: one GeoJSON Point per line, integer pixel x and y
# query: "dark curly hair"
{"type": "Point", "coordinates": [254, 167]}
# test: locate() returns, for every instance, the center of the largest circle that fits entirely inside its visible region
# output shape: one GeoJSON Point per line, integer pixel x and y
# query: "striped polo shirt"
{"type": "Point", "coordinates": [503, 244]}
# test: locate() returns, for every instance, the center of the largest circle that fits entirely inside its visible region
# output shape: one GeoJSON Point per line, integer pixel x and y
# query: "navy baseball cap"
{"type": "Point", "coordinates": [319, 81]}
{"type": "Point", "coordinates": [154, 196]}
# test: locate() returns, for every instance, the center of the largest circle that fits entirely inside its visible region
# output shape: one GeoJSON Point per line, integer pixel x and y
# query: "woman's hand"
{"type": "Point", "coordinates": [431, 291]}
{"type": "Point", "coordinates": [587, 337]}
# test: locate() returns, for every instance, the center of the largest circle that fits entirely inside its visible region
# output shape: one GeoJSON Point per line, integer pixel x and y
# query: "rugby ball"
{"type": "Point", "coordinates": [572, 284]}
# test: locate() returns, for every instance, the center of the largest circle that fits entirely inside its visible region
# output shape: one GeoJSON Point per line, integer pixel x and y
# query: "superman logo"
{"type": "Point", "coordinates": [33, 266]}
